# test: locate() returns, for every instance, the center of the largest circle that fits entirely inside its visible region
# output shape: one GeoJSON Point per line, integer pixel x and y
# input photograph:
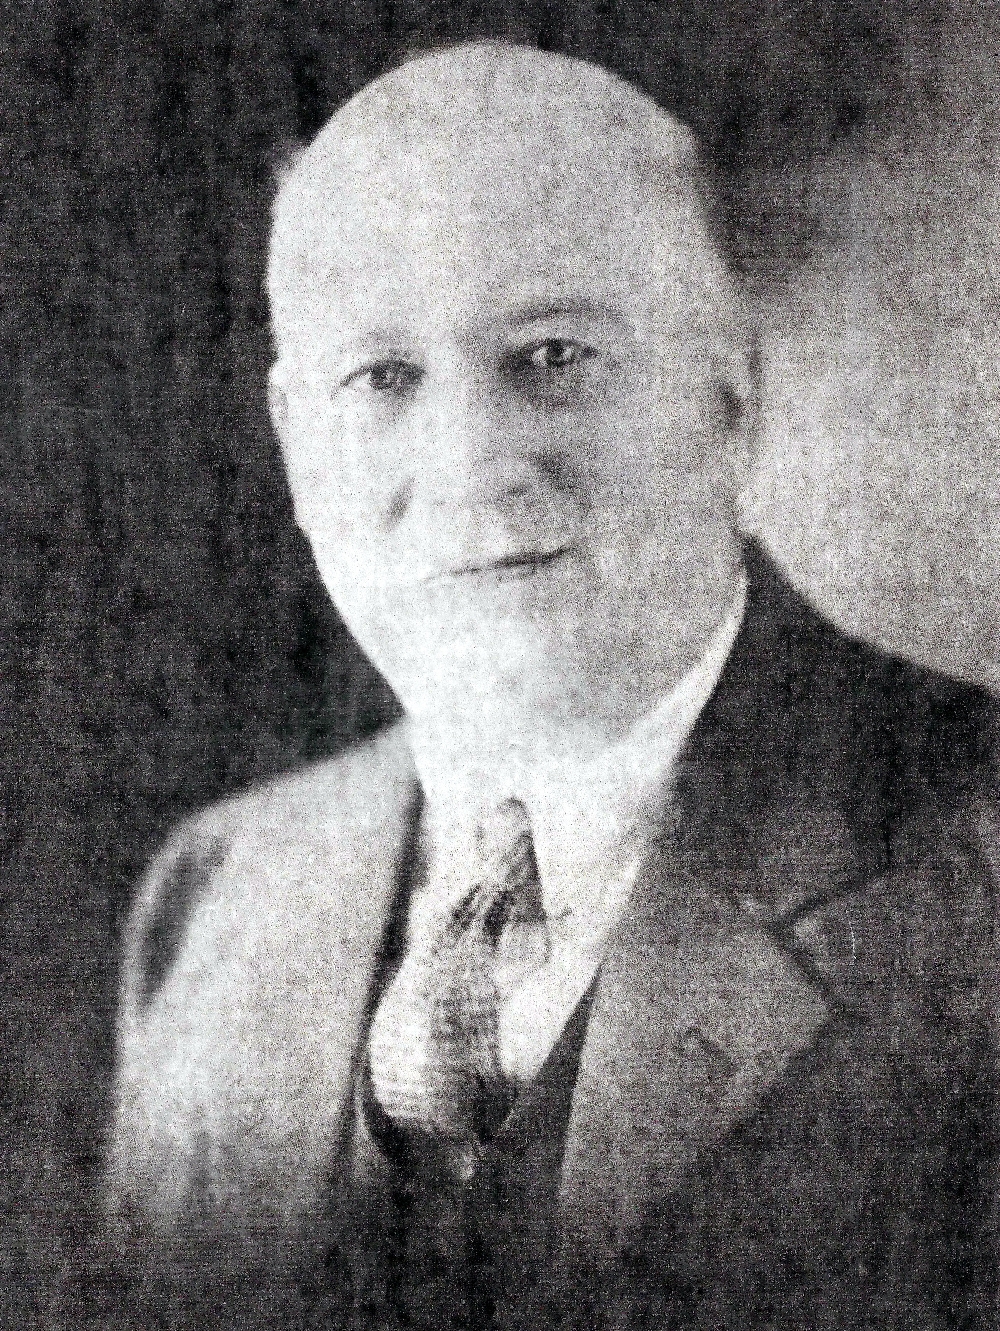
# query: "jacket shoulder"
{"type": "Point", "coordinates": [321, 812]}
{"type": "Point", "coordinates": [934, 734]}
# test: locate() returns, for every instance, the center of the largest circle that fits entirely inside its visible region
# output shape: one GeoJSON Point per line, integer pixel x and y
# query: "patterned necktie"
{"type": "Point", "coordinates": [434, 1054]}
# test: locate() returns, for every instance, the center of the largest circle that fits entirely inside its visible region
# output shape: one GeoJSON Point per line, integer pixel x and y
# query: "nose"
{"type": "Point", "coordinates": [469, 447]}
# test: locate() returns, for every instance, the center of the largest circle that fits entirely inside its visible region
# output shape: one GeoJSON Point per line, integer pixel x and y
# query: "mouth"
{"type": "Point", "coordinates": [525, 564]}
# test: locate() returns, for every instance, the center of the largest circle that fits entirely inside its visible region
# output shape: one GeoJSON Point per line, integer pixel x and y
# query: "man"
{"type": "Point", "coordinates": [622, 984]}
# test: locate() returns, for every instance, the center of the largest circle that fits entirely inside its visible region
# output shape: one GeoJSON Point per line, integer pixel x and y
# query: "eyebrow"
{"type": "Point", "coordinates": [372, 339]}
{"type": "Point", "coordinates": [536, 311]}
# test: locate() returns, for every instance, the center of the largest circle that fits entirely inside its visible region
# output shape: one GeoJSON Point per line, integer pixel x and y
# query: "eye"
{"type": "Point", "coordinates": [558, 353]}
{"type": "Point", "coordinates": [385, 376]}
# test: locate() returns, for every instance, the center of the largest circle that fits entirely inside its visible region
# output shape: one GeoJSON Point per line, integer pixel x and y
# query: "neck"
{"type": "Point", "coordinates": [493, 756]}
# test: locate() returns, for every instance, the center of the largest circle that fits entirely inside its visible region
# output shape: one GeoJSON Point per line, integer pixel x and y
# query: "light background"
{"type": "Point", "coordinates": [880, 470]}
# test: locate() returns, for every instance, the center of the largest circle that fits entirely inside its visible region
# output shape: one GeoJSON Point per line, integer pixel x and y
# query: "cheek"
{"type": "Point", "coordinates": [665, 489]}
{"type": "Point", "coordinates": [340, 484]}
{"type": "Point", "coordinates": [684, 450]}
{"type": "Point", "coordinates": [365, 594]}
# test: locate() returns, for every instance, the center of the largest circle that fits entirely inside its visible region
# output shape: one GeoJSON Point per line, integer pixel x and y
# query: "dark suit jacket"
{"type": "Point", "coordinates": [784, 1114]}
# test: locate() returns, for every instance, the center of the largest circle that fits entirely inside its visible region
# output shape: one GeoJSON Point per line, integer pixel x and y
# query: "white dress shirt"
{"type": "Point", "coordinates": [591, 823]}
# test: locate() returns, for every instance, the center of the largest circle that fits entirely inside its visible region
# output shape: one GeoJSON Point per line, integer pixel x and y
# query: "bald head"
{"type": "Point", "coordinates": [487, 136]}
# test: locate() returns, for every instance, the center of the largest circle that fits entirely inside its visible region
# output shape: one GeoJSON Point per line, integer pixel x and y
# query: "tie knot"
{"type": "Point", "coordinates": [504, 846]}
{"type": "Point", "coordinates": [502, 825]}
{"type": "Point", "coordinates": [507, 891]}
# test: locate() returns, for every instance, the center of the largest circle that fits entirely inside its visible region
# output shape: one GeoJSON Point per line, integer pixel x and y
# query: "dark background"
{"type": "Point", "coordinates": [163, 637]}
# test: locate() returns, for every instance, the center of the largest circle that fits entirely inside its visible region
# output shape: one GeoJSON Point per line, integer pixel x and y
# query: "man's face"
{"type": "Point", "coordinates": [512, 428]}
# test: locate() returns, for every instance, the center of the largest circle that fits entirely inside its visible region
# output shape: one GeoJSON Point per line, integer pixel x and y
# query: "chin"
{"type": "Point", "coordinates": [513, 673]}
{"type": "Point", "coordinates": [476, 695]}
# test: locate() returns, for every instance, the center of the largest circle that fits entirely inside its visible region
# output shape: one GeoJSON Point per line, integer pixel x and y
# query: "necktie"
{"type": "Point", "coordinates": [434, 1056]}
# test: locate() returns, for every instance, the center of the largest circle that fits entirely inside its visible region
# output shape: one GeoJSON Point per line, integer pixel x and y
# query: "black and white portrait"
{"type": "Point", "coordinates": [501, 657]}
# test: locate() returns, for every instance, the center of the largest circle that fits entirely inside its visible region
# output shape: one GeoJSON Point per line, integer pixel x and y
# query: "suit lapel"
{"type": "Point", "coordinates": [318, 983]}
{"type": "Point", "coordinates": [699, 1008]}
{"type": "Point", "coordinates": [704, 998]}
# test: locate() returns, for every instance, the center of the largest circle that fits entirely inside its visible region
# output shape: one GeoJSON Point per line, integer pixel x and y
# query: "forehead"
{"type": "Point", "coordinates": [469, 192]}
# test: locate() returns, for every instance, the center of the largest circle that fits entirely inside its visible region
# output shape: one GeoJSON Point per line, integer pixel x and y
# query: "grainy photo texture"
{"type": "Point", "coordinates": [500, 658]}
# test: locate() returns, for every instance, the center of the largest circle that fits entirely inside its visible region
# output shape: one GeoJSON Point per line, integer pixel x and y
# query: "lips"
{"type": "Point", "coordinates": [529, 560]}
{"type": "Point", "coordinates": [521, 564]}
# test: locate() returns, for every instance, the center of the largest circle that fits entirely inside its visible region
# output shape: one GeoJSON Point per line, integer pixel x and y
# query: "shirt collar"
{"type": "Point", "coordinates": [591, 819]}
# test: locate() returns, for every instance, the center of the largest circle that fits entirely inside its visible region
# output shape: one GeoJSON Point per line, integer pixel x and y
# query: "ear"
{"type": "Point", "coordinates": [738, 382]}
{"type": "Point", "coordinates": [277, 399]}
